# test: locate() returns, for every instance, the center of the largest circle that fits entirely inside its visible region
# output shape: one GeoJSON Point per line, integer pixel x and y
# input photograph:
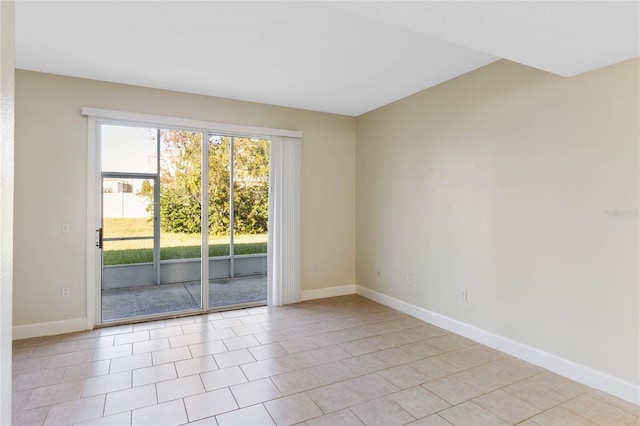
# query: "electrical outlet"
{"type": "Point", "coordinates": [408, 279]}
{"type": "Point", "coordinates": [66, 291]}
{"type": "Point", "coordinates": [378, 272]}
{"type": "Point", "coordinates": [463, 295]}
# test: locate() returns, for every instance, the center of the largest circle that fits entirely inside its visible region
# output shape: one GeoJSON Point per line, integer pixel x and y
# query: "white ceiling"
{"type": "Point", "coordinates": [340, 57]}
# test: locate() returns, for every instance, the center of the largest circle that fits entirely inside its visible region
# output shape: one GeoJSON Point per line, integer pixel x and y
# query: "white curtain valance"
{"type": "Point", "coordinates": [284, 277]}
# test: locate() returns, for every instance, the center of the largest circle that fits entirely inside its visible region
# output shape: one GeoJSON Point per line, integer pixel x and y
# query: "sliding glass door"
{"type": "Point", "coordinates": [184, 221]}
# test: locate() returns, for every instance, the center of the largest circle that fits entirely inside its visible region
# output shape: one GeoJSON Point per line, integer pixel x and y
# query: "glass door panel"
{"type": "Point", "coordinates": [219, 150]}
{"type": "Point", "coordinates": [127, 149]}
{"type": "Point", "coordinates": [251, 216]}
{"type": "Point", "coordinates": [251, 196]}
{"type": "Point", "coordinates": [151, 235]}
{"type": "Point", "coordinates": [128, 245]}
{"type": "Point", "coordinates": [180, 214]}
{"type": "Point", "coordinates": [238, 220]}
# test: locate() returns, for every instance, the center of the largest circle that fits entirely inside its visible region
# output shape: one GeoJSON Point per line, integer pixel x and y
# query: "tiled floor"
{"type": "Point", "coordinates": [340, 361]}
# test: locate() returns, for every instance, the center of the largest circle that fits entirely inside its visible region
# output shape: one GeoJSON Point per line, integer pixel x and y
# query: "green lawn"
{"type": "Point", "coordinates": [172, 245]}
{"type": "Point", "coordinates": [119, 257]}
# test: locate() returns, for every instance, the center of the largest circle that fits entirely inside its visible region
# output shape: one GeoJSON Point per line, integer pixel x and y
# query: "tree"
{"type": "Point", "coordinates": [181, 183]}
{"type": "Point", "coordinates": [251, 185]}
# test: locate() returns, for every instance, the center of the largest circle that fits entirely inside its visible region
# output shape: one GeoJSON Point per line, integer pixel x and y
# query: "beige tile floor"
{"type": "Point", "coordinates": [339, 361]}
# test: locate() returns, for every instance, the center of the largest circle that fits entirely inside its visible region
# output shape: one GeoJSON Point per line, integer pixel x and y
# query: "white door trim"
{"type": "Point", "coordinates": [93, 302]}
{"type": "Point", "coordinates": [185, 123]}
{"type": "Point", "coordinates": [98, 116]}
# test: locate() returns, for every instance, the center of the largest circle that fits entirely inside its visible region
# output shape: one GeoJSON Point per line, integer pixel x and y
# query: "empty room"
{"type": "Point", "coordinates": [319, 213]}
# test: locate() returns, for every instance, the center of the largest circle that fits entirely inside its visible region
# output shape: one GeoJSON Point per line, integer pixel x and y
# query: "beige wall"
{"type": "Point", "coordinates": [499, 182]}
{"type": "Point", "coordinates": [51, 152]}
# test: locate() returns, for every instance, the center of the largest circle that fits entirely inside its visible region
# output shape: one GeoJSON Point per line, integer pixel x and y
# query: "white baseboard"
{"type": "Point", "coordinates": [80, 324]}
{"type": "Point", "coordinates": [49, 328]}
{"type": "Point", "coordinates": [588, 376]}
{"type": "Point", "coordinates": [321, 293]}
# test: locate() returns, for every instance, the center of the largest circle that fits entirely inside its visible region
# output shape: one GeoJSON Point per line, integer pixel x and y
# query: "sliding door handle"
{"type": "Point", "coordinates": [99, 238]}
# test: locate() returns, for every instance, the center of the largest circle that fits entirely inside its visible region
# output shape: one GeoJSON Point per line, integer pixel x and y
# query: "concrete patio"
{"type": "Point", "coordinates": [124, 303]}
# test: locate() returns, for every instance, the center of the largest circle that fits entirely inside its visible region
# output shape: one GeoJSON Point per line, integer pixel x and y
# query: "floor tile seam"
{"type": "Point", "coordinates": [77, 400]}
{"type": "Point", "coordinates": [355, 414]}
{"type": "Point", "coordinates": [602, 402]}
{"type": "Point", "coordinates": [15, 375]}
{"type": "Point", "coordinates": [282, 395]}
{"type": "Point", "coordinates": [540, 410]}
{"type": "Point", "coordinates": [54, 353]}
{"type": "Point", "coordinates": [548, 388]}
{"type": "Point", "coordinates": [481, 407]}
{"type": "Point", "coordinates": [518, 398]}
{"type": "Point", "coordinates": [131, 409]}
{"type": "Point", "coordinates": [104, 375]}
{"type": "Point", "coordinates": [171, 346]}
{"type": "Point", "coordinates": [69, 365]}
{"type": "Point", "coordinates": [289, 338]}
{"type": "Point", "coordinates": [184, 406]}
{"type": "Point", "coordinates": [228, 388]}
{"type": "Point", "coordinates": [486, 363]}
{"type": "Point", "coordinates": [149, 325]}
{"type": "Point", "coordinates": [461, 368]}
{"type": "Point", "coordinates": [13, 413]}
{"type": "Point", "coordinates": [415, 418]}
{"type": "Point", "coordinates": [47, 416]}
{"type": "Point", "coordinates": [503, 389]}
{"type": "Point", "coordinates": [88, 334]}
{"type": "Point", "coordinates": [18, 343]}
{"type": "Point", "coordinates": [636, 409]}
{"type": "Point", "coordinates": [267, 410]}
{"type": "Point", "coordinates": [104, 406]}
{"type": "Point", "coordinates": [59, 402]}
{"type": "Point", "coordinates": [20, 357]}
{"type": "Point", "coordinates": [155, 388]}
{"type": "Point", "coordinates": [450, 377]}
{"type": "Point", "coordinates": [325, 413]}
{"type": "Point", "coordinates": [111, 357]}
{"type": "Point", "coordinates": [201, 382]}
{"type": "Point", "coordinates": [24, 403]}
{"type": "Point", "coordinates": [351, 378]}
{"type": "Point", "coordinates": [322, 384]}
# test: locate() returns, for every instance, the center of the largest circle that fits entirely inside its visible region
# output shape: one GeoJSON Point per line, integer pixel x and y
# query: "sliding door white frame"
{"type": "Point", "coordinates": [97, 117]}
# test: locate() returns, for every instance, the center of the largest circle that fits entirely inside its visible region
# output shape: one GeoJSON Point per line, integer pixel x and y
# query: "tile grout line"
{"type": "Point", "coordinates": [362, 326]}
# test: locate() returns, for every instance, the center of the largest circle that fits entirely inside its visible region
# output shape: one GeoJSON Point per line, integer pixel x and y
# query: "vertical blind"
{"type": "Point", "coordinates": [285, 206]}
